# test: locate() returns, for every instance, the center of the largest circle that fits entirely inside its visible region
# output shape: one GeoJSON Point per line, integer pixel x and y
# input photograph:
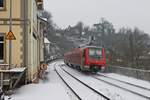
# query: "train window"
{"type": "Point", "coordinates": [95, 53]}
{"type": "Point", "coordinates": [91, 52]}
{"type": "Point", "coordinates": [98, 52]}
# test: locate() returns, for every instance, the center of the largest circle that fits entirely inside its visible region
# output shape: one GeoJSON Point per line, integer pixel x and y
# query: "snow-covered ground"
{"type": "Point", "coordinates": [132, 80]}
{"type": "Point", "coordinates": [79, 88]}
{"type": "Point", "coordinates": [54, 89]}
{"type": "Point", "coordinates": [113, 92]}
{"type": "Point", "coordinates": [40, 92]}
{"type": "Point", "coordinates": [48, 89]}
{"type": "Point", "coordinates": [110, 91]}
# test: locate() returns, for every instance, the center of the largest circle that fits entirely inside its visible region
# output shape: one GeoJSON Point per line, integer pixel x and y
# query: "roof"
{"type": "Point", "coordinates": [16, 70]}
{"type": "Point", "coordinates": [42, 18]}
{"type": "Point", "coordinates": [46, 41]}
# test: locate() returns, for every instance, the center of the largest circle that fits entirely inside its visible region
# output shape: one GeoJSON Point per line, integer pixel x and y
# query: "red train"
{"type": "Point", "coordinates": [88, 58]}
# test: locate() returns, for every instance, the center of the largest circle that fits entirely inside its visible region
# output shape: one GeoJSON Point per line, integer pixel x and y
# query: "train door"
{"type": "Point", "coordinates": [83, 57]}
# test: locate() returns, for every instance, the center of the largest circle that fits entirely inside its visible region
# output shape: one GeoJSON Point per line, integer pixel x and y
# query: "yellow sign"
{"type": "Point", "coordinates": [10, 36]}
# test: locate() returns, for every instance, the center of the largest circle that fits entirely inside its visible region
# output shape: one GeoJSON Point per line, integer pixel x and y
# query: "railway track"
{"type": "Point", "coordinates": [142, 87]}
{"type": "Point", "coordinates": [144, 95]}
{"type": "Point", "coordinates": [66, 83]}
{"type": "Point", "coordinates": [80, 89]}
{"type": "Point", "coordinates": [104, 91]}
{"type": "Point", "coordinates": [135, 89]}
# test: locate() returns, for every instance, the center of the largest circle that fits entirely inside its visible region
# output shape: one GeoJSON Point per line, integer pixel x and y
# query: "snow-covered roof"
{"type": "Point", "coordinates": [46, 41]}
{"type": "Point", "coordinates": [44, 19]}
{"type": "Point", "coordinates": [17, 69]}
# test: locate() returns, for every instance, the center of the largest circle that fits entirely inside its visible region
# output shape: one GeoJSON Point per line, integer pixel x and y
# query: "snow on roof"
{"type": "Point", "coordinates": [44, 19]}
{"type": "Point", "coordinates": [46, 41]}
{"type": "Point", "coordinates": [17, 69]}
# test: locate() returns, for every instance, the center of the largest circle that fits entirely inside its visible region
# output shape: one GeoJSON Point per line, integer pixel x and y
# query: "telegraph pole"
{"type": "Point", "coordinates": [10, 29]}
{"type": "Point", "coordinates": [9, 36]}
{"type": "Point", "coordinates": [99, 35]}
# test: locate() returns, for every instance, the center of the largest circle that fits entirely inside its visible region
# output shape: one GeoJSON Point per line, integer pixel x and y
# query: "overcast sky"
{"type": "Point", "coordinates": [128, 13]}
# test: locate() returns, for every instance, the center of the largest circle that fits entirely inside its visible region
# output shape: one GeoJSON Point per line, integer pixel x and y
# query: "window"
{"type": "Point", "coordinates": [95, 53]}
{"type": "Point", "coordinates": [91, 52]}
{"type": "Point", "coordinates": [1, 49]}
{"type": "Point", "coordinates": [2, 4]}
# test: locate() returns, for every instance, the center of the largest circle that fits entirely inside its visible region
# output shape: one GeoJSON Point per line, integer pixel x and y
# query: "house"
{"type": "Point", "coordinates": [26, 49]}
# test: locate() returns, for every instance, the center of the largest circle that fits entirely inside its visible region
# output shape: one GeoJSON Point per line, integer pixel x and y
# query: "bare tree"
{"type": "Point", "coordinates": [104, 31]}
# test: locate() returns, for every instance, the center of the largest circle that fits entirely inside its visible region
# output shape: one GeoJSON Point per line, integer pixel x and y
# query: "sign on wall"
{"type": "Point", "coordinates": [10, 36]}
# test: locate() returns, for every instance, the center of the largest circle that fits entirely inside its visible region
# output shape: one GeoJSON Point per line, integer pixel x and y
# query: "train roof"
{"type": "Point", "coordinates": [90, 47]}
{"type": "Point", "coordinates": [81, 48]}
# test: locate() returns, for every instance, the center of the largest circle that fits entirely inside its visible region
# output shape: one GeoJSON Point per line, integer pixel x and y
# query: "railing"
{"type": "Point", "coordinates": [4, 66]}
{"type": "Point", "coordinates": [137, 73]}
{"type": "Point", "coordinates": [11, 76]}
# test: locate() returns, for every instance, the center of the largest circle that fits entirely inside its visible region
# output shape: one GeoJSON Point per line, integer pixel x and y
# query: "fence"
{"type": "Point", "coordinates": [137, 73]}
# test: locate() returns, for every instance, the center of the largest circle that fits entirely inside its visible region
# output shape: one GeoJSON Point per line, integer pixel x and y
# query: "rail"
{"type": "Point", "coordinates": [87, 85]}
{"type": "Point", "coordinates": [113, 84]}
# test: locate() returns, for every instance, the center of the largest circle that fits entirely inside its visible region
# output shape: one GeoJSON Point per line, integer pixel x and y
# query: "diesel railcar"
{"type": "Point", "coordinates": [88, 58]}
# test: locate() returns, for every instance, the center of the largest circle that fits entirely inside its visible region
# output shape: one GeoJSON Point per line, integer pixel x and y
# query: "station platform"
{"type": "Point", "coordinates": [40, 91]}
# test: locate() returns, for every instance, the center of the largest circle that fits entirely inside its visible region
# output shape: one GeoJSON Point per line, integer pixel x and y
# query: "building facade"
{"type": "Point", "coordinates": [26, 51]}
